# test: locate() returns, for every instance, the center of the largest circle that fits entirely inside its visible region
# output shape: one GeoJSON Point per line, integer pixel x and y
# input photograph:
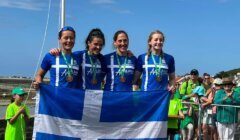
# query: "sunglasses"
{"type": "Point", "coordinates": [67, 28]}
{"type": "Point", "coordinates": [228, 84]}
{"type": "Point", "coordinates": [22, 95]}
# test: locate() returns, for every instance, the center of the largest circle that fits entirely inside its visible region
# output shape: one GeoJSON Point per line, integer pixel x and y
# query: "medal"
{"type": "Point", "coordinates": [69, 78]}
{"type": "Point", "coordinates": [158, 78]}
{"type": "Point", "coordinates": [157, 68]}
{"type": "Point", "coordinates": [94, 81]}
{"type": "Point", "coordinates": [123, 79]}
{"type": "Point", "coordinates": [122, 68]}
{"type": "Point", "coordinates": [93, 68]}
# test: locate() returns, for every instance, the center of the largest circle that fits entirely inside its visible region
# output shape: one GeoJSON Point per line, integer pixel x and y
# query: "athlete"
{"type": "Point", "coordinates": [156, 67]}
{"type": "Point", "coordinates": [64, 68]}
{"type": "Point", "coordinates": [120, 65]}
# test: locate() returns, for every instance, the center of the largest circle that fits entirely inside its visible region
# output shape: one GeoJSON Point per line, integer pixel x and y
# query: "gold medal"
{"type": "Point", "coordinates": [94, 81]}
{"type": "Point", "coordinates": [158, 78]}
{"type": "Point", "coordinates": [69, 78]}
{"type": "Point", "coordinates": [123, 79]}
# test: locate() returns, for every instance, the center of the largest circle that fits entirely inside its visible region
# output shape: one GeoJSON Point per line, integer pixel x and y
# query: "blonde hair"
{"type": "Point", "coordinates": [150, 38]}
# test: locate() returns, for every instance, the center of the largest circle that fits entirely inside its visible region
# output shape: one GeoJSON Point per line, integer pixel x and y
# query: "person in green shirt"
{"type": "Point", "coordinates": [187, 123]}
{"type": "Point", "coordinates": [187, 86]}
{"type": "Point", "coordinates": [16, 116]}
{"type": "Point", "coordinates": [173, 115]}
{"type": "Point", "coordinates": [227, 116]}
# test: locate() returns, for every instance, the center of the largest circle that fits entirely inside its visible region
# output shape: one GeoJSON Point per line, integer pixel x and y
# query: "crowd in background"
{"type": "Point", "coordinates": [204, 107]}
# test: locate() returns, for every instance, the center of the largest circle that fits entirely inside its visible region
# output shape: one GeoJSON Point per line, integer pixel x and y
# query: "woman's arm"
{"type": "Point", "coordinates": [136, 78]}
{"type": "Point", "coordinates": [39, 78]}
{"type": "Point", "coordinates": [172, 86]}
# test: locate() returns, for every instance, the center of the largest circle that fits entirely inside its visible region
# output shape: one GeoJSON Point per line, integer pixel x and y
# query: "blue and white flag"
{"type": "Point", "coordinates": [71, 114]}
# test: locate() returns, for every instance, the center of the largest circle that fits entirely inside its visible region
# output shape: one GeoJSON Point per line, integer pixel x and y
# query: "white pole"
{"type": "Point", "coordinates": [62, 13]}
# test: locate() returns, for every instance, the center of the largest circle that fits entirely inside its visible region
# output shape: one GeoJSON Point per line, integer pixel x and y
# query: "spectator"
{"type": "Point", "coordinates": [187, 86]}
{"type": "Point", "coordinates": [16, 115]}
{"type": "Point", "coordinates": [226, 115]}
{"type": "Point", "coordinates": [207, 81]}
{"type": "Point", "coordinates": [187, 123]}
{"type": "Point", "coordinates": [173, 115]}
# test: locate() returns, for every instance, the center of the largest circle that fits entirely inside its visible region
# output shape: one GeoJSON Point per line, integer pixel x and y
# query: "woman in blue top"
{"type": "Point", "coordinates": [120, 65]}
{"type": "Point", "coordinates": [64, 68]}
{"type": "Point", "coordinates": [93, 66]}
{"type": "Point", "coordinates": [92, 63]}
{"type": "Point", "coordinates": [156, 67]}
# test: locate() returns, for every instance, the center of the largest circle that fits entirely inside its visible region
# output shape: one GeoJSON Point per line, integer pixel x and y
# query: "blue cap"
{"type": "Point", "coordinates": [199, 90]}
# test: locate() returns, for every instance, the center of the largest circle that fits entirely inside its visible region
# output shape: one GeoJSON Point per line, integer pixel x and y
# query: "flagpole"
{"type": "Point", "coordinates": [62, 13]}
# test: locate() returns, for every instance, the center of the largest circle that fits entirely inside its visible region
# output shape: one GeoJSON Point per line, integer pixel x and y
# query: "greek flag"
{"type": "Point", "coordinates": [72, 114]}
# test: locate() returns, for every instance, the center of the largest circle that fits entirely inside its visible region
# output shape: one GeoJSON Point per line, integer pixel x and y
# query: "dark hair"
{"type": "Point", "coordinates": [150, 38]}
{"type": "Point", "coordinates": [92, 34]}
{"type": "Point", "coordinates": [12, 99]}
{"type": "Point", "coordinates": [119, 32]}
{"type": "Point", "coordinates": [66, 28]}
{"type": "Point", "coordinates": [194, 72]}
{"type": "Point", "coordinates": [206, 74]}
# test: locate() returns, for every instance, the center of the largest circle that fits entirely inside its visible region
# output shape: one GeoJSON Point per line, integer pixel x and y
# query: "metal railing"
{"type": "Point", "coordinates": [229, 113]}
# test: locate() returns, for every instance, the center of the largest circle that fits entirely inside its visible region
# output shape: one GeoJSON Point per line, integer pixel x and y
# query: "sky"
{"type": "Point", "coordinates": [200, 34]}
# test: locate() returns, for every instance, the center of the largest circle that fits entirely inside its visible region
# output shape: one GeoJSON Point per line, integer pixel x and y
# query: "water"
{"type": "Point", "coordinates": [3, 110]}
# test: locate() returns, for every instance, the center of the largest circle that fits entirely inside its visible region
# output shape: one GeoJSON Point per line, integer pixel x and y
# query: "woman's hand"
{"type": "Point", "coordinates": [55, 51]}
{"type": "Point", "coordinates": [172, 89]}
{"type": "Point", "coordinates": [135, 87]}
{"type": "Point", "coordinates": [36, 85]}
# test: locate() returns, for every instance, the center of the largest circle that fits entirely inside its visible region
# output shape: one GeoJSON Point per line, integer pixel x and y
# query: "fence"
{"type": "Point", "coordinates": [213, 116]}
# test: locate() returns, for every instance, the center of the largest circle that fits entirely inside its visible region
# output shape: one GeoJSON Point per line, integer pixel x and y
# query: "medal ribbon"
{"type": "Point", "coordinates": [69, 65]}
{"type": "Point", "coordinates": [122, 67]}
{"type": "Point", "coordinates": [94, 65]}
{"type": "Point", "coordinates": [157, 65]}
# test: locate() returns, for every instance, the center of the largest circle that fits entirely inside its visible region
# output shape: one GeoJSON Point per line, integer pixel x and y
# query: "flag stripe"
{"type": "Point", "coordinates": [134, 106]}
{"type": "Point", "coordinates": [79, 129]}
{"type": "Point", "coordinates": [61, 102]}
{"type": "Point", "coordinates": [44, 136]}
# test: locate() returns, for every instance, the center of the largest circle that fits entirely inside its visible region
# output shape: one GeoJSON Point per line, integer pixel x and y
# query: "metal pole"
{"type": "Point", "coordinates": [199, 122]}
{"type": "Point", "coordinates": [62, 13]}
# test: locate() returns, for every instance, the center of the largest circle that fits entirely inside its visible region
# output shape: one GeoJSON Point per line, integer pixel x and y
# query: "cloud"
{"type": "Point", "coordinates": [35, 5]}
{"type": "Point", "coordinates": [103, 1]}
{"type": "Point", "coordinates": [110, 5]}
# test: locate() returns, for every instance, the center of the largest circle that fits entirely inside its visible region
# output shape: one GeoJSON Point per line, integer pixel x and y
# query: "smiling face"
{"type": "Point", "coordinates": [228, 87]}
{"type": "Point", "coordinates": [207, 79]}
{"type": "Point", "coordinates": [121, 43]}
{"type": "Point", "coordinates": [95, 46]}
{"type": "Point", "coordinates": [67, 41]}
{"type": "Point", "coordinates": [156, 42]}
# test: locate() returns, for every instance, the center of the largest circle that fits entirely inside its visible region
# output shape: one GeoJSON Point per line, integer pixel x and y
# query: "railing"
{"type": "Point", "coordinates": [228, 113]}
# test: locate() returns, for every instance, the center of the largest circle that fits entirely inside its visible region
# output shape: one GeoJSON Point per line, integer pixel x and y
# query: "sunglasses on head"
{"type": "Point", "coordinates": [67, 28]}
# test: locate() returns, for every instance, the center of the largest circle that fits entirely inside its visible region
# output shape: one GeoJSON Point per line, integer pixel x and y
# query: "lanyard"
{"type": "Point", "coordinates": [122, 67]}
{"type": "Point", "coordinates": [93, 66]}
{"type": "Point", "coordinates": [69, 65]}
{"type": "Point", "coordinates": [157, 65]}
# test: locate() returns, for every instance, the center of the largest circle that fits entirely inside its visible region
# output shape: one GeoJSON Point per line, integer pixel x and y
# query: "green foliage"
{"type": "Point", "coordinates": [222, 74]}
